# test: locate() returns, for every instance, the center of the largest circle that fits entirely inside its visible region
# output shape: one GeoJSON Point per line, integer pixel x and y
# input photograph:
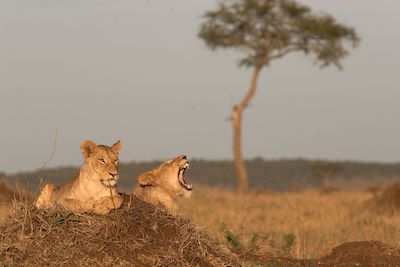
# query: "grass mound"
{"type": "Point", "coordinates": [387, 200]}
{"type": "Point", "coordinates": [137, 234]}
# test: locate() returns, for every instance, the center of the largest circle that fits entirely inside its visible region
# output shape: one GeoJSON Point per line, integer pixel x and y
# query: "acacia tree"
{"type": "Point", "coordinates": [265, 30]}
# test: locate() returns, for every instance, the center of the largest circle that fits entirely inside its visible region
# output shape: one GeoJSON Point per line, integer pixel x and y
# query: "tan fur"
{"type": "Point", "coordinates": [94, 189]}
{"type": "Point", "coordinates": [161, 185]}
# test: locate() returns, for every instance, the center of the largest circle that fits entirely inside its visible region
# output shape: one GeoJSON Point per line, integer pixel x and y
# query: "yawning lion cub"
{"type": "Point", "coordinates": [94, 189]}
{"type": "Point", "coordinates": [163, 185]}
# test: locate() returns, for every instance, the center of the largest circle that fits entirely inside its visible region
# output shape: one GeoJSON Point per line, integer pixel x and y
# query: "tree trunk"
{"type": "Point", "coordinates": [236, 116]}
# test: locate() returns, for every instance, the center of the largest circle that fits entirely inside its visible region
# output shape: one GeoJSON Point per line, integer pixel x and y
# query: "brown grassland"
{"type": "Point", "coordinates": [302, 225]}
{"type": "Point", "coordinates": [261, 228]}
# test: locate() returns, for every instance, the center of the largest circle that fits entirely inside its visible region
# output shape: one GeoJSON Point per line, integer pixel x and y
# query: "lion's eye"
{"type": "Point", "coordinates": [102, 161]}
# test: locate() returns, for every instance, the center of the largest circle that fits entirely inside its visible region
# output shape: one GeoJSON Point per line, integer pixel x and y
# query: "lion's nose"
{"type": "Point", "coordinates": [113, 174]}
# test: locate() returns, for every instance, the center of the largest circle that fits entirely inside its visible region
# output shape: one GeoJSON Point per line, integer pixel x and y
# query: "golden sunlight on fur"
{"type": "Point", "coordinates": [94, 189]}
{"type": "Point", "coordinates": [163, 185]}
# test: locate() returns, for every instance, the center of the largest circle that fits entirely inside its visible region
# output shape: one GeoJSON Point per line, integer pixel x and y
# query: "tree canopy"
{"type": "Point", "coordinates": [265, 30]}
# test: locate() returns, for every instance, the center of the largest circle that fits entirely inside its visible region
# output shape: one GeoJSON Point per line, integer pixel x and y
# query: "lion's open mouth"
{"type": "Point", "coordinates": [181, 176]}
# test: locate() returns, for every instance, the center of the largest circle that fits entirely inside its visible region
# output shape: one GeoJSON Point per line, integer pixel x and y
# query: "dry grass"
{"type": "Point", "coordinates": [263, 228]}
{"type": "Point", "coordinates": [387, 200]}
{"type": "Point", "coordinates": [318, 221]}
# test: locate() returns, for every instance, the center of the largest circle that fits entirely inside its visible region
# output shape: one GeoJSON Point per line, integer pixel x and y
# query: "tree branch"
{"type": "Point", "coordinates": [284, 52]}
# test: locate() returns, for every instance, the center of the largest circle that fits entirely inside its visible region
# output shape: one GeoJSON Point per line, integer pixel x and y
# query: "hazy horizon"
{"type": "Point", "coordinates": [162, 92]}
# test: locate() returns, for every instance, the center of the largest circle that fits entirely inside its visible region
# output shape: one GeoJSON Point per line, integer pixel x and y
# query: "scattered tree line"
{"type": "Point", "coordinates": [276, 175]}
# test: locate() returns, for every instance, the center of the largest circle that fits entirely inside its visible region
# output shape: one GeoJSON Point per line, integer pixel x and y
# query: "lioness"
{"type": "Point", "coordinates": [163, 185]}
{"type": "Point", "coordinates": [94, 189]}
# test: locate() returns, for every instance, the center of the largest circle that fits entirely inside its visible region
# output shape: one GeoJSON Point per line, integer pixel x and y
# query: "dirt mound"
{"type": "Point", "coordinates": [138, 234]}
{"type": "Point", "coordinates": [362, 253]}
{"type": "Point", "coordinates": [358, 253]}
{"type": "Point", "coordinates": [387, 200]}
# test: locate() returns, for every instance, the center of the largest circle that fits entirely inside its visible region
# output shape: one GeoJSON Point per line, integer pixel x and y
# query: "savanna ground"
{"type": "Point", "coordinates": [301, 225]}
{"type": "Point", "coordinates": [261, 228]}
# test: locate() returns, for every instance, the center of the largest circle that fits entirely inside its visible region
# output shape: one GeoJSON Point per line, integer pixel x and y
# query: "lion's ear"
{"type": "Point", "coordinates": [146, 179]}
{"type": "Point", "coordinates": [87, 148]}
{"type": "Point", "coordinates": [116, 148]}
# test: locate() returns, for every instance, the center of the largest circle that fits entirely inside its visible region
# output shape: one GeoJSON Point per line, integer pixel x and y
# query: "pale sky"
{"type": "Point", "coordinates": [136, 71]}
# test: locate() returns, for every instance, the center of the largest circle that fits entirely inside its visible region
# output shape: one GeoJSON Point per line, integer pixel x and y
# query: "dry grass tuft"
{"type": "Point", "coordinates": [138, 234]}
{"type": "Point", "coordinates": [387, 201]}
